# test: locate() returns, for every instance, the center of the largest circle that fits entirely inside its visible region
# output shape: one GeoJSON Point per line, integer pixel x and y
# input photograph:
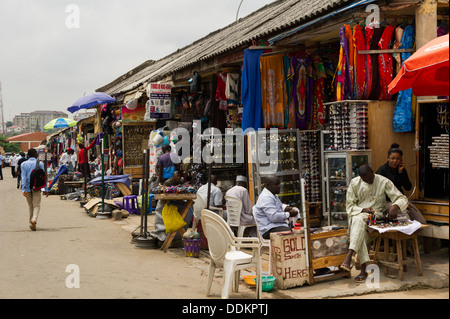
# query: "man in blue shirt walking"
{"type": "Point", "coordinates": [33, 197]}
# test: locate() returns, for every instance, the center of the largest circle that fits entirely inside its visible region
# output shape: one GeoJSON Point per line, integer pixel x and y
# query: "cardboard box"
{"type": "Point", "coordinates": [289, 262]}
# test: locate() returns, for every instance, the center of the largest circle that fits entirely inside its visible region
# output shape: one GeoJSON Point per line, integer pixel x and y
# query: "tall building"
{"type": "Point", "coordinates": [35, 121]}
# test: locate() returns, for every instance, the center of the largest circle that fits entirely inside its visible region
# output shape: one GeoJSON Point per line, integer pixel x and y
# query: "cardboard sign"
{"type": "Point", "coordinates": [288, 259]}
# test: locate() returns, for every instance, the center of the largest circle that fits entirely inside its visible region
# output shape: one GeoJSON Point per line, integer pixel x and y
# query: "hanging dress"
{"type": "Point", "coordinates": [251, 90]}
{"type": "Point", "coordinates": [289, 114]}
{"type": "Point", "coordinates": [351, 55]}
{"type": "Point", "coordinates": [368, 74]}
{"type": "Point", "coordinates": [402, 120]}
{"type": "Point", "coordinates": [273, 91]}
{"type": "Point", "coordinates": [319, 88]}
{"type": "Point", "coordinates": [385, 63]}
{"type": "Point", "coordinates": [376, 36]}
{"type": "Point", "coordinates": [341, 68]}
{"type": "Point", "coordinates": [360, 62]}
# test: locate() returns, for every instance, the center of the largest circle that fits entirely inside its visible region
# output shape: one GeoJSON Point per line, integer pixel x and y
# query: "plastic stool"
{"type": "Point", "coordinates": [130, 204]}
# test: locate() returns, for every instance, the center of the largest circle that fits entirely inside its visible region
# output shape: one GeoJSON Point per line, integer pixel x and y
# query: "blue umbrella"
{"type": "Point", "coordinates": [90, 100]}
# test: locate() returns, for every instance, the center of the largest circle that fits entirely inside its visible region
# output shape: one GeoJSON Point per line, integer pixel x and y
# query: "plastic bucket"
{"type": "Point", "coordinates": [192, 247]}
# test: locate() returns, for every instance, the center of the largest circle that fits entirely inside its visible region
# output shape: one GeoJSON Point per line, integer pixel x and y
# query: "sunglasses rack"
{"type": "Point", "coordinates": [348, 125]}
{"type": "Point", "coordinates": [309, 146]}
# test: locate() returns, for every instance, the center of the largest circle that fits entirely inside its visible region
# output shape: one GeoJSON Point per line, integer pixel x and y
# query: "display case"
{"type": "Point", "coordinates": [275, 152]}
{"type": "Point", "coordinates": [135, 140]}
{"type": "Point", "coordinates": [228, 156]}
{"type": "Point", "coordinates": [339, 169]}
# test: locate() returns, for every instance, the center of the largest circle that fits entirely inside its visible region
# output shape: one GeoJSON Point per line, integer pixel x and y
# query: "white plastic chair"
{"type": "Point", "coordinates": [234, 210]}
{"type": "Point", "coordinates": [263, 242]}
{"type": "Point", "coordinates": [200, 204]}
{"type": "Point", "coordinates": [223, 250]}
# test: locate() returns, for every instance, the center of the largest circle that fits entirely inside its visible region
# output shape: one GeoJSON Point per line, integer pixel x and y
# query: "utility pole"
{"type": "Point", "coordinates": [2, 117]}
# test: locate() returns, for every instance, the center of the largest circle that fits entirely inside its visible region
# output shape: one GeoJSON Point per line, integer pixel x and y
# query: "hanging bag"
{"type": "Point", "coordinates": [171, 218]}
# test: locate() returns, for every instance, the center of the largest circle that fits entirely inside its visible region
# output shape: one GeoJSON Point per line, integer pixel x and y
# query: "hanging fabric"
{"type": "Point", "coordinates": [360, 62]}
{"type": "Point", "coordinates": [273, 91]}
{"type": "Point", "coordinates": [251, 90]}
{"type": "Point", "coordinates": [376, 36]}
{"type": "Point", "coordinates": [232, 89]}
{"type": "Point", "coordinates": [398, 42]}
{"type": "Point", "coordinates": [220, 91]}
{"type": "Point", "coordinates": [368, 75]}
{"type": "Point", "coordinates": [402, 120]}
{"type": "Point", "coordinates": [319, 88]}
{"type": "Point", "coordinates": [340, 70]}
{"type": "Point", "coordinates": [385, 63]}
{"type": "Point", "coordinates": [288, 85]}
{"type": "Point", "coordinates": [351, 55]}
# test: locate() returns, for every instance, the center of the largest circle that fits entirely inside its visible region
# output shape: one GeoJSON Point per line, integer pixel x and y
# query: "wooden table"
{"type": "Point", "coordinates": [399, 240]}
{"type": "Point", "coordinates": [182, 197]}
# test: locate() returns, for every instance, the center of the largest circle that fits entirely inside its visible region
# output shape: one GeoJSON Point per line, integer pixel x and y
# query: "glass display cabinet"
{"type": "Point", "coordinates": [275, 152]}
{"type": "Point", "coordinates": [339, 169]}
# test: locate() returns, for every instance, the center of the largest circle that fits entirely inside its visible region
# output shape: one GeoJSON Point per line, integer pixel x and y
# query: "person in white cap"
{"type": "Point", "coordinates": [240, 191]}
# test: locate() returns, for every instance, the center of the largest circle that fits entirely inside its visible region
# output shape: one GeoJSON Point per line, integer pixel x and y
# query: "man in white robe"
{"type": "Point", "coordinates": [366, 195]}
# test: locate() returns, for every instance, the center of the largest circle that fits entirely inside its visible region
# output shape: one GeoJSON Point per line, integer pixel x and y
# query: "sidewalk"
{"type": "Point", "coordinates": [435, 275]}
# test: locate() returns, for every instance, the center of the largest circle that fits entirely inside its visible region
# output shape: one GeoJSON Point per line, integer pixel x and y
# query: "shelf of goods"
{"type": "Point", "coordinates": [339, 169]}
{"type": "Point", "coordinates": [275, 153]}
{"type": "Point", "coordinates": [227, 158]}
{"type": "Point", "coordinates": [135, 141]}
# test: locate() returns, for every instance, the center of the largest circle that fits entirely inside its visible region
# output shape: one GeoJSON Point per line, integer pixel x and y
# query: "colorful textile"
{"type": "Point", "coordinates": [351, 55]}
{"type": "Point", "coordinates": [220, 91]}
{"type": "Point", "coordinates": [368, 79]}
{"type": "Point", "coordinates": [385, 63]}
{"type": "Point", "coordinates": [273, 91]}
{"type": "Point", "coordinates": [402, 121]}
{"type": "Point", "coordinates": [319, 88]}
{"type": "Point", "coordinates": [251, 90]}
{"type": "Point", "coordinates": [398, 42]}
{"type": "Point", "coordinates": [360, 62]}
{"type": "Point", "coordinates": [232, 89]}
{"type": "Point", "coordinates": [376, 36]}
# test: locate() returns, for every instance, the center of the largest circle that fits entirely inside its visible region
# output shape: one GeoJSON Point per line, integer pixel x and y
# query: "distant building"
{"type": "Point", "coordinates": [28, 140]}
{"type": "Point", "coordinates": [15, 129]}
{"type": "Point", "coordinates": [35, 121]}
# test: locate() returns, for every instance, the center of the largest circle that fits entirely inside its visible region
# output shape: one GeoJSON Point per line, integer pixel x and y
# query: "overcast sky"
{"type": "Point", "coordinates": [49, 58]}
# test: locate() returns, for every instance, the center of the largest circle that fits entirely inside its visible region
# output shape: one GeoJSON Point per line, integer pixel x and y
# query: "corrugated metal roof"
{"type": "Point", "coordinates": [270, 19]}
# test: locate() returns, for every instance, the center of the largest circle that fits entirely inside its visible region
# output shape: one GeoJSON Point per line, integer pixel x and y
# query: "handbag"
{"type": "Point", "coordinates": [171, 218]}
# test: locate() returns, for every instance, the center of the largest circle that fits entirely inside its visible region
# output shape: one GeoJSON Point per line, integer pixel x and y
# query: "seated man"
{"type": "Point", "coordinates": [366, 195]}
{"type": "Point", "coordinates": [270, 213]}
{"type": "Point", "coordinates": [216, 197]}
{"type": "Point", "coordinates": [240, 191]}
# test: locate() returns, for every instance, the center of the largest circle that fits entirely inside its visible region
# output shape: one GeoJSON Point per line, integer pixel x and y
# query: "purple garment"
{"type": "Point", "coordinates": [347, 94]}
{"type": "Point", "coordinates": [112, 179]}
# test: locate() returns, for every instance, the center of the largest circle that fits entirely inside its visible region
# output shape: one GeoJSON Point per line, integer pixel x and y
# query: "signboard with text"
{"type": "Point", "coordinates": [159, 100]}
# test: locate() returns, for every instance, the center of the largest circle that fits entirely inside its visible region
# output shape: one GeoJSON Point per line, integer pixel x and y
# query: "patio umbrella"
{"type": "Point", "coordinates": [60, 122]}
{"type": "Point", "coordinates": [426, 71]}
{"type": "Point", "coordinates": [90, 100]}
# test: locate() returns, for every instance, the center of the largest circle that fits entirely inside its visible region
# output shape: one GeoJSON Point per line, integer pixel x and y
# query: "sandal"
{"type": "Point", "coordinates": [361, 278]}
{"type": "Point", "coordinates": [345, 267]}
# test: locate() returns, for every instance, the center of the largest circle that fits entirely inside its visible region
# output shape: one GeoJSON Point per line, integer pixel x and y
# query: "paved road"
{"type": "Point", "coordinates": [33, 264]}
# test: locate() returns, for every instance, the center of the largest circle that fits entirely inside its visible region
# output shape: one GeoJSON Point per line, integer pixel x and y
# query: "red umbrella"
{"type": "Point", "coordinates": [426, 71]}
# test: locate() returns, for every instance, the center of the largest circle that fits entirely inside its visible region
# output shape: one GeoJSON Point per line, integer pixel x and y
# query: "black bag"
{"type": "Point", "coordinates": [38, 178]}
{"type": "Point", "coordinates": [196, 84]}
